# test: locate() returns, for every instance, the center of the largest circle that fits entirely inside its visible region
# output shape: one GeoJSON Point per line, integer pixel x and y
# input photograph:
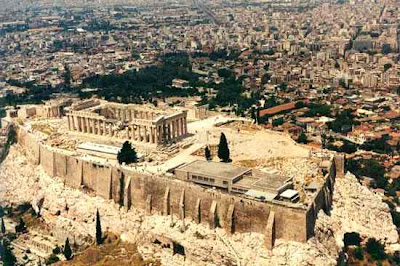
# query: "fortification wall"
{"type": "Point", "coordinates": [31, 143]}
{"type": "Point", "coordinates": [323, 200]}
{"type": "Point", "coordinates": [157, 194]}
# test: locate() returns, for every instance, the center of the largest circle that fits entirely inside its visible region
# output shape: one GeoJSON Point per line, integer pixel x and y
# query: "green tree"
{"type": "Point", "coordinates": [348, 147]}
{"type": "Point", "coordinates": [53, 258]}
{"type": "Point", "coordinates": [67, 250]}
{"type": "Point", "coordinates": [207, 153]}
{"type": "Point", "coordinates": [299, 104]}
{"type": "Point", "coordinates": [352, 239]}
{"type": "Point", "coordinates": [378, 145]}
{"type": "Point", "coordinates": [375, 249]}
{"type": "Point", "coordinates": [127, 154]}
{"type": "Point", "coordinates": [358, 253]}
{"type": "Point", "coordinates": [67, 76]}
{"type": "Point", "coordinates": [302, 138]}
{"type": "Point", "coordinates": [223, 149]}
{"type": "Point", "coordinates": [343, 122]}
{"type": "Point", "coordinates": [277, 122]}
{"type": "Point", "coordinates": [99, 238]}
{"type": "Point", "coordinates": [224, 72]}
{"type": "Point", "coordinates": [386, 67]}
{"type": "Point", "coordinates": [6, 254]}
{"type": "Point", "coordinates": [318, 110]}
{"type": "Point", "coordinates": [386, 49]}
{"type": "Point", "coordinates": [3, 226]}
{"type": "Point", "coordinates": [265, 78]}
{"type": "Point", "coordinates": [20, 228]}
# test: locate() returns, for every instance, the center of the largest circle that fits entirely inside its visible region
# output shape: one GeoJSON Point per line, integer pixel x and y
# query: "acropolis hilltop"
{"type": "Point", "coordinates": [199, 132]}
{"type": "Point", "coordinates": [82, 136]}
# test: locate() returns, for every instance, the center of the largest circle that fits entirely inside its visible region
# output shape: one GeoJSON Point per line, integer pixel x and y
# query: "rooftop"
{"type": "Point", "coordinates": [99, 148]}
{"type": "Point", "coordinates": [221, 170]}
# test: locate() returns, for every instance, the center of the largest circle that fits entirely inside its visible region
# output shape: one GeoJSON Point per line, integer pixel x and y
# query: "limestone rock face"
{"type": "Point", "coordinates": [357, 209]}
{"type": "Point", "coordinates": [71, 213]}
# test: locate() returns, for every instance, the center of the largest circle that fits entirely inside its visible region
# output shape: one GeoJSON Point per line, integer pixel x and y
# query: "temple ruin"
{"type": "Point", "coordinates": [137, 123]}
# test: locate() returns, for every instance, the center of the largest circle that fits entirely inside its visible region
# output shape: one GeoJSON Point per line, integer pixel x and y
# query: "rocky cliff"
{"type": "Point", "coordinates": [72, 213]}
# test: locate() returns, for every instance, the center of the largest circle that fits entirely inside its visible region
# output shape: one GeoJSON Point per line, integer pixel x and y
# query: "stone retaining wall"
{"type": "Point", "coordinates": [158, 194]}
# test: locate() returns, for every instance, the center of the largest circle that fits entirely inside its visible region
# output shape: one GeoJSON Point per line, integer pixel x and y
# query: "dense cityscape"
{"type": "Point", "coordinates": [252, 126]}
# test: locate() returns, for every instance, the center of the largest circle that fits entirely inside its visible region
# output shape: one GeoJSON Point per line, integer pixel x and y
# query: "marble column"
{"type": "Point", "coordinates": [177, 135]}
{"type": "Point", "coordinates": [72, 122]}
{"type": "Point", "coordinates": [69, 122]}
{"type": "Point", "coordinates": [83, 123]}
{"type": "Point", "coordinates": [133, 132]}
{"type": "Point", "coordinates": [104, 128]}
{"type": "Point", "coordinates": [177, 128]}
{"type": "Point", "coordinates": [99, 127]}
{"type": "Point", "coordinates": [110, 132]}
{"type": "Point", "coordinates": [159, 134]}
{"type": "Point", "coordinates": [146, 133]}
{"type": "Point", "coordinates": [156, 135]}
{"type": "Point", "coordinates": [88, 127]}
{"type": "Point", "coordinates": [169, 131]}
{"type": "Point", "coordinates": [173, 129]}
{"type": "Point", "coordinates": [93, 123]}
{"type": "Point", "coordinates": [184, 126]}
{"type": "Point", "coordinates": [80, 124]}
{"type": "Point", "coordinates": [151, 138]}
{"type": "Point", "coordinates": [76, 122]}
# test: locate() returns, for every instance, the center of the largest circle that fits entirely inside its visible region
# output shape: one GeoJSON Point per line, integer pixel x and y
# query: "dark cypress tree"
{"type": "Point", "coordinates": [67, 76]}
{"type": "Point", "coordinates": [99, 238]}
{"type": "Point", "coordinates": [6, 254]}
{"type": "Point", "coordinates": [67, 250]}
{"type": "Point", "coordinates": [3, 227]}
{"type": "Point", "coordinates": [223, 150]}
{"type": "Point", "coordinates": [207, 153]}
{"type": "Point", "coordinates": [127, 154]}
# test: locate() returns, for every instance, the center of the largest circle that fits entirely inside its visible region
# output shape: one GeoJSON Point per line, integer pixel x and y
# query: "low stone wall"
{"type": "Point", "coordinates": [158, 194]}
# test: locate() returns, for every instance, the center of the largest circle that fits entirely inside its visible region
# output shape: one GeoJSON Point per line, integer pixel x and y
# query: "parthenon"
{"type": "Point", "coordinates": [127, 121]}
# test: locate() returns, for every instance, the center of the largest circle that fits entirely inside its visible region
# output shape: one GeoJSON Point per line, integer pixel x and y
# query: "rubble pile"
{"type": "Point", "coordinates": [302, 170]}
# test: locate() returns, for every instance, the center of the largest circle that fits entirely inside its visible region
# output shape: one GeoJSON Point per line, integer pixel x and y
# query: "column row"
{"type": "Point", "coordinates": [142, 133]}
{"type": "Point", "coordinates": [129, 115]}
{"type": "Point", "coordinates": [174, 129]}
{"type": "Point", "coordinates": [90, 125]}
{"type": "Point", "coordinates": [170, 130]}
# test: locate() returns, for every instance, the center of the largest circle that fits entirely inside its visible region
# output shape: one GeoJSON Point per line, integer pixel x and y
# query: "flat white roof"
{"type": "Point", "coordinates": [99, 148]}
{"type": "Point", "coordinates": [289, 193]}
